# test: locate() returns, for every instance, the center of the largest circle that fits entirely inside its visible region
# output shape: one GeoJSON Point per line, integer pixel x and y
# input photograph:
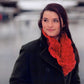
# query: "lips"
{"type": "Point", "coordinates": [51, 30]}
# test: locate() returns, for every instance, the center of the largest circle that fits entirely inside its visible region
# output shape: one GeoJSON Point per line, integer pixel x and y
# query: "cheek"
{"type": "Point", "coordinates": [57, 26]}
{"type": "Point", "coordinates": [44, 25]}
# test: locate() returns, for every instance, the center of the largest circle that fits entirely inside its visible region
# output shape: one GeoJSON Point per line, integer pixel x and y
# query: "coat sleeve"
{"type": "Point", "coordinates": [21, 72]}
{"type": "Point", "coordinates": [75, 79]}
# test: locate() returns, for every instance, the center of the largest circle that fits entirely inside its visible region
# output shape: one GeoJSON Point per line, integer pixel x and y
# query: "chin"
{"type": "Point", "coordinates": [51, 35]}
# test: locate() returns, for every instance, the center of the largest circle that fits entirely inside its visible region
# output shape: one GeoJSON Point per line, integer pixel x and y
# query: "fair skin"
{"type": "Point", "coordinates": [51, 24]}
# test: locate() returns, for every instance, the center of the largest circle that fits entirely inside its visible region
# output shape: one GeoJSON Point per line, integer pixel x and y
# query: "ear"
{"type": "Point", "coordinates": [63, 25]}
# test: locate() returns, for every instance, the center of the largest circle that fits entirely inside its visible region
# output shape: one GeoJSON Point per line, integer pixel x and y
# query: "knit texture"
{"type": "Point", "coordinates": [62, 51]}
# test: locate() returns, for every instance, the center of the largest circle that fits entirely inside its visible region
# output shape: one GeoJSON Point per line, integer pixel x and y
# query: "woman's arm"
{"type": "Point", "coordinates": [21, 72]}
{"type": "Point", "coordinates": [75, 79]}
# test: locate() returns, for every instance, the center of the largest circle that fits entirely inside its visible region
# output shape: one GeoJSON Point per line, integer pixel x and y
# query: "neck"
{"type": "Point", "coordinates": [56, 37]}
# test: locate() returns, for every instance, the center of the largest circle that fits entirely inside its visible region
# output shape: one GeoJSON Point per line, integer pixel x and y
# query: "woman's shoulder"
{"type": "Point", "coordinates": [31, 45]}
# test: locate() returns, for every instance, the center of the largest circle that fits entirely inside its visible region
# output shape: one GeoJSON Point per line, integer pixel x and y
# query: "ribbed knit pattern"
{"type": "Point", "coordinates": [62, 51]}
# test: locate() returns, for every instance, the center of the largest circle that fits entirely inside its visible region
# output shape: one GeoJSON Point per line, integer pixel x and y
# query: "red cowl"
{"type": "Point", "coordinates": [62, 51]}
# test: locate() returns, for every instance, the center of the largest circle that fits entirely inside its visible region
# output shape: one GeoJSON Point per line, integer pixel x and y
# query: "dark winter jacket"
{"type": "Point", "coordinates": [35, 65]}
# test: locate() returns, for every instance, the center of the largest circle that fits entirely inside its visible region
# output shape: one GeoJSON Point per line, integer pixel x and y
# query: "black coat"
{"type": "Point", "coordinates": [35, 65]}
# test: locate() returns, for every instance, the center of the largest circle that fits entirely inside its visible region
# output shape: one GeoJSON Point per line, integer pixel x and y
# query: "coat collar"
{"type": "Point", "coordinates": [45, 55]}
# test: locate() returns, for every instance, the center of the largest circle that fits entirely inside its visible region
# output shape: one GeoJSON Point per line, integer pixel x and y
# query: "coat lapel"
{"type": "Point", "coordinates": [45, 55]}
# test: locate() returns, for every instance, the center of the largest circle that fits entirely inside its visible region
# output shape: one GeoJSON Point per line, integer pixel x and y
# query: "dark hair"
{"type": "Point", "coordinates": [61, 14]}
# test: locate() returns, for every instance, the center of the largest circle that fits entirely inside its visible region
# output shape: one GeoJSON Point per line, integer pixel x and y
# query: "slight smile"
{"type": "Point", "coordinates": [51, 30]}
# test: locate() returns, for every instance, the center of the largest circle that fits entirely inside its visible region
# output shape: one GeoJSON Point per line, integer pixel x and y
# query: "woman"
{"type": "Point", "coordinates": [51, 59]}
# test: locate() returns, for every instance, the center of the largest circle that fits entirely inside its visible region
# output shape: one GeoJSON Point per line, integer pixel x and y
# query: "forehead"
{"type": "Point", "coordinates": [50, 14]}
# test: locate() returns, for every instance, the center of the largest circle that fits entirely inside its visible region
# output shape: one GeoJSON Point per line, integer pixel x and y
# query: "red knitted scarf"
{"type": "Point", "coordinates": [62, 51]}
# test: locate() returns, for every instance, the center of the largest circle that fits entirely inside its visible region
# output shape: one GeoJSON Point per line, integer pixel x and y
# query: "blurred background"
{"type": "Point", "coordinates": [19, 25]}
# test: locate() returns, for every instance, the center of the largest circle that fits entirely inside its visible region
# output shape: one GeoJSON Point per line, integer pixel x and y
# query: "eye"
{"type": "Point", "coordinates": [55, 20]}
{"type": "Point", "coordinates": [45, 20]}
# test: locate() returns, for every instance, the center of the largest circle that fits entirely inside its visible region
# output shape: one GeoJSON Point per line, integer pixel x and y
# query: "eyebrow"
{"type": "Point", "coordinates": [47, 18]}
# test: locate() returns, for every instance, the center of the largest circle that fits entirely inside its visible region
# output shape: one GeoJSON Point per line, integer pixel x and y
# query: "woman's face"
{"type": "Point", "coordinates": [51, 23]}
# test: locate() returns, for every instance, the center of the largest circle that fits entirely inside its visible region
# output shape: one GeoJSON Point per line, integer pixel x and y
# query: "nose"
{"type": "Point", "coordinates": [50, 24]}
